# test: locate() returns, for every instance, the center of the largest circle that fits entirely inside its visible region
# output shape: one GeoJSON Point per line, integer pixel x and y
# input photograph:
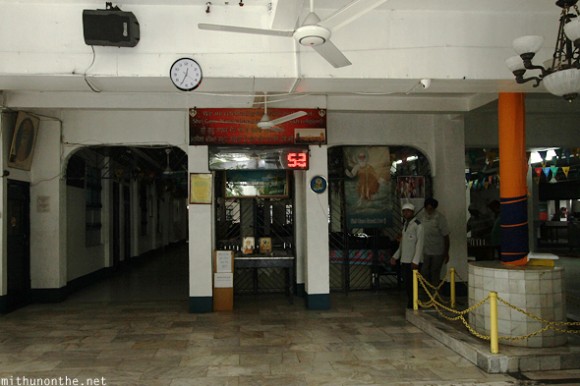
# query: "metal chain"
{"type": "Point", "coordinates": [432, 302]}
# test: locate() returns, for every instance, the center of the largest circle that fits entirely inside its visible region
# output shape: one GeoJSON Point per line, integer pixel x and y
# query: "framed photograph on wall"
{"type": "Point", "coordinates": [23, 141]}
{"type": "Point", "coordinates": [200, 188]}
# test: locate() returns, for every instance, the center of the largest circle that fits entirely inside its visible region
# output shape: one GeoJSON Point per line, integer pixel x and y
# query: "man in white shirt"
{"type": "Point", "coordinates": [410, 250]}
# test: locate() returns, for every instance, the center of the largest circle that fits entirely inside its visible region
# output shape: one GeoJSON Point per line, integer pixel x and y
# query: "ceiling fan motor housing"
{"type": "Point", "coordinates": [311, 35]}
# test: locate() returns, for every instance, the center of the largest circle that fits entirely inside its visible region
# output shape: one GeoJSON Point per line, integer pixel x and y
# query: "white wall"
{"type": "Point", "coordinates": [439, 137]}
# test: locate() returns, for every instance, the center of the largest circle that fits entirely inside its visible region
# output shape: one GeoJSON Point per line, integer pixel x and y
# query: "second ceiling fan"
{"type": "Point", "coordinates": [266, 123]}
{"type": "Point", "coordinates": [313, 32]}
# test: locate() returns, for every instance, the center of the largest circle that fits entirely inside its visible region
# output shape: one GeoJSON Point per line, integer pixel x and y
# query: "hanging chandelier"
{"type": "Point", "coordinates": [561, 74]}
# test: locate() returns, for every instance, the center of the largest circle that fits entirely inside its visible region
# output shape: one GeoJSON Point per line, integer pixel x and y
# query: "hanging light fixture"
{"type": "Point", "coordinates": [561, 74]}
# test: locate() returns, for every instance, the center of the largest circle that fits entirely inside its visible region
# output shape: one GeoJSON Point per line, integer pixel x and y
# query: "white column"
{"type": "Point", "coordinates": [449, 187]}
{"type": "Point", "coordinates": [200, 240]}
{"type": "Point", "coordinates": [315, 244]}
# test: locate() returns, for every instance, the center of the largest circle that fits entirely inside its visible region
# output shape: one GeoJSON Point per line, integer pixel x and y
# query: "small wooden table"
{"type": "Point", "coordinates": [277, 260]}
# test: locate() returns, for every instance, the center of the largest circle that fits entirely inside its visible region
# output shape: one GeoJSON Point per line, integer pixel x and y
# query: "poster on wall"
{"type": "Point", "coordinates": [23, 141]}
{"type": "Point", "coordinates": [215, 126]}
{"type": "Point", "coordinates": [411, 189]}
{"type": "Point", "coordinates": [367, 186]}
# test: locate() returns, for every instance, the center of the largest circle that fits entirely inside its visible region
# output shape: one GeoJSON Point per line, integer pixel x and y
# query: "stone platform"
{"type": "Point", "coordinates": [537, 290]}
{"type": "Point", "coordinates": [510, 359]}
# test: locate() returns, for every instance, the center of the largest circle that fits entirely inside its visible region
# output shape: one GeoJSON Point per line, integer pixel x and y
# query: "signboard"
{"type": "Point", "coordinates": [215, 126]}
{"type": "Point", "coordinates": [258, 158]}
{"type": "Point", "coordinates": [250, 183]}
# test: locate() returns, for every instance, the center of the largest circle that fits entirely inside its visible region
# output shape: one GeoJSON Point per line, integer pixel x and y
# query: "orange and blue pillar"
{"type": "Point", "coordinates": [513, 190]}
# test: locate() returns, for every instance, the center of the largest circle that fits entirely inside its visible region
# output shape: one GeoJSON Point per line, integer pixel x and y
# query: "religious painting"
{"type": "Point", "coordinates": [23, 141]}
{"type": "Point", "coordinates": [367, 186]}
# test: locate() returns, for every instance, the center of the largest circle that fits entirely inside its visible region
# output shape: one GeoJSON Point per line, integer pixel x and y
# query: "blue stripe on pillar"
{"type": "Point", "coordinates": [514, 228]}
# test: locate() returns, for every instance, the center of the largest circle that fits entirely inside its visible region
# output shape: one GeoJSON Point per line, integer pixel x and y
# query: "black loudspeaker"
{"type": "Point", "coordinates": [110, 28]}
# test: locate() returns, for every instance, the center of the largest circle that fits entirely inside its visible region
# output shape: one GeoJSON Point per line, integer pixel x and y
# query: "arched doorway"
{"type": "Point", "coordinates": [367, 186]}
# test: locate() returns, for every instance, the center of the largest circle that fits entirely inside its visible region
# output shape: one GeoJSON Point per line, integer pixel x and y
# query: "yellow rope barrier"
{"type": "Point", "coordinates": [419, 280]}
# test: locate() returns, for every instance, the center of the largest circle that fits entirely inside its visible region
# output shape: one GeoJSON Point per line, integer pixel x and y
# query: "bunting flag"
{"type": "Point", "coordinates": [547, 171]}
{"type": "Point", "coordinates": [514, 244]}
{"type": "Point", "coordinates": [566, 169]}
{"type": "Point", "coordinates": [554, 170]}
{"type": "Point", "coordinates": [538, 171]}
{"type": "Point", "coordinates": [543, 154]}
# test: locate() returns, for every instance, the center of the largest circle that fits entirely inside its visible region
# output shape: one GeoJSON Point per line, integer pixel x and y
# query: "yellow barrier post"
{"type": "Point", "coordinates": [415, 290]}
{"type": "Point", "coordinates": [494, 345]}
{"type": "Point", "coordinates": [452, 286]}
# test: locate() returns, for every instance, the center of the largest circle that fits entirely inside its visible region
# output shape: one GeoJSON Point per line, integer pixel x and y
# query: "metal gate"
{"type": "Point", "coordinates": [359, 257]}
{"type": "Point", "coordinates": [260, 217]}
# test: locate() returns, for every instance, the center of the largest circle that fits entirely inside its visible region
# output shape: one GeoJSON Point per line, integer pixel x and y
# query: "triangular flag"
{"type": "Point", "coordinates": [547, 172]}
{"type": "Point", "coordinates": [538, 171]}
{"type": "Point", "coordinates": [536, 179]}
{"type": "Point", "coordinates": [543, 154]}
{"type": "Point", "coordinates": [566, 169]}
{"type": "Point", "coordinates": [554, 170]}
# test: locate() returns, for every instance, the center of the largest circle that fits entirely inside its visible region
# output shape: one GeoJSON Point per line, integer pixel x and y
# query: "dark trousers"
{"type": "Point", "coordinates": [407, 273]}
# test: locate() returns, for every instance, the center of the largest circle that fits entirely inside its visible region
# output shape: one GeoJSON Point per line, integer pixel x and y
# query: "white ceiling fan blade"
{"type": "Point", "coordinates": [349, 12]}
{"type": "Point", "coordinates": [332, 54]}
{"type": "Point", "coordinates": [288, 117]}
{"type": "Point", "coordinates": [257, 31]}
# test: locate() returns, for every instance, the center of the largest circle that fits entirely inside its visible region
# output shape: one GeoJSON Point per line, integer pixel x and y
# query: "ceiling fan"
{"type": "Point", "coordinates": [313, 32]}
{"type": "Point", "coordinates": [266, 124]}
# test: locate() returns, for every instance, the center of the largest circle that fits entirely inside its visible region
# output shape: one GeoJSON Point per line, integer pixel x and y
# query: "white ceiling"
{"type": "Point", "coordinates": [355, 93]}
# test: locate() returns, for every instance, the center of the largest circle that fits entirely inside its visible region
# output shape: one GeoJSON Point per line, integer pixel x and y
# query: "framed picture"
{"type": "Point", "coordinates": [248, 245]}
{"type": "Point", "coordinates": [265, 245]}
{"type": "Point", "coordinates": [200, 188]}
{"type": "Point", "coordinates": [23, 141]}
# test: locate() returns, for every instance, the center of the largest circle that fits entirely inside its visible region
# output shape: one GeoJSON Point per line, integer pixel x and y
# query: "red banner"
{"type": "Point", "coordinates": [240, 127]}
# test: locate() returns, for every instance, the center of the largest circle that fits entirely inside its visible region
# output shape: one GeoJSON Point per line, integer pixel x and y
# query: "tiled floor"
{"type": "Point", "coordinates": [134, 329]}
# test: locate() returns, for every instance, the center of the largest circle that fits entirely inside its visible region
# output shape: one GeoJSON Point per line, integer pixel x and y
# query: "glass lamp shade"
{"type": "Point", "coordinates": [515, 63]}
{"type": "Point", "coordinates": [564, 82]}
{"type": "Point", "coordinates": [572, 29]}
{"type": "Point", "coordinates": [529, 43]}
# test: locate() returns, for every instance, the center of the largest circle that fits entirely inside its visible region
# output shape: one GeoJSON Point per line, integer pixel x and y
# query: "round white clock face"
{"type": "Point", "coordinates": [185, 73]}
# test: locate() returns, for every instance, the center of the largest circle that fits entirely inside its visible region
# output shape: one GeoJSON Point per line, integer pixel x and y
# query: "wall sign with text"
{"type": "Point", "coordinates": [213, 126]}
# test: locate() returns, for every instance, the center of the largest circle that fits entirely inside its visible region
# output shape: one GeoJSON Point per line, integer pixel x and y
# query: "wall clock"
{"type": "Point", "coordinates": [185, 73]}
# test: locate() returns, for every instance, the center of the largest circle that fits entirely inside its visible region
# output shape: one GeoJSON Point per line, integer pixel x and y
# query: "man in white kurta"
{"type": "Point", "coordinates": [410, 250]}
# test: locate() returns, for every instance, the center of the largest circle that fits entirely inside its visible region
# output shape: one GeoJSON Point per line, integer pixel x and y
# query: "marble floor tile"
{"type": "Point", "coordinates": [152, 340]}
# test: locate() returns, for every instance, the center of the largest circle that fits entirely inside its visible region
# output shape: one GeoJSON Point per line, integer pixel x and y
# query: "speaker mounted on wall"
{"type": "Point", "coordinates": [110, 27]}
{"type": "Point", "coordinates": [23, 141]}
